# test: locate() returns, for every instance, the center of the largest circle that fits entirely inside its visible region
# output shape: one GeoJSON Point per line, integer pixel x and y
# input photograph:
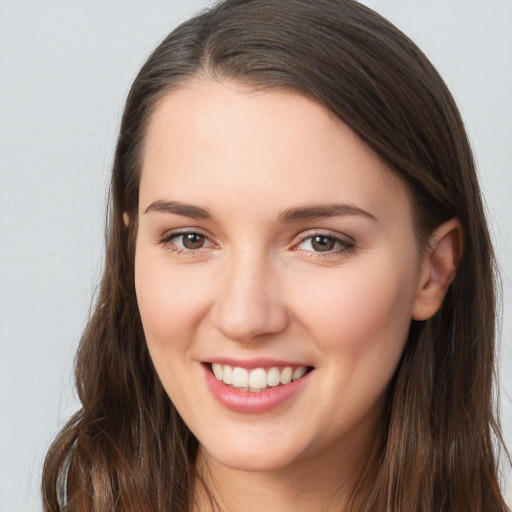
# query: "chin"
{"type": "Point", "coordinates": [253, 457]}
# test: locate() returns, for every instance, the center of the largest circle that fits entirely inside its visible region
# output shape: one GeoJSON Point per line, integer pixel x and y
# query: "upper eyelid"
{"type": "Point", "coordinates": [167, 238]}
{"type": "Point", "coordinates": [184, 231]}
{"type": "Point", "coordinates": [304, 235]}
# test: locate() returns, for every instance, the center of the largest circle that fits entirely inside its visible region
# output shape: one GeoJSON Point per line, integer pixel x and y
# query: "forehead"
{"type": "Point", "coordinates": [275, 145]}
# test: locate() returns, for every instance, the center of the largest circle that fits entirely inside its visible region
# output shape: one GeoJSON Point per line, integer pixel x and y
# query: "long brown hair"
{"type": "Point", "coordinates": [127, 447]}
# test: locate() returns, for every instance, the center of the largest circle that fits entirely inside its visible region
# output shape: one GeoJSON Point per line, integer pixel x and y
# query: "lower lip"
{"type": "Point", "coordinates": [252, 402]}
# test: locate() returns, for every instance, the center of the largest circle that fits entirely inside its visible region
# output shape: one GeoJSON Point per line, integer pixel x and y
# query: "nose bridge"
{"type": "Point", "coordinates": [249, 301]}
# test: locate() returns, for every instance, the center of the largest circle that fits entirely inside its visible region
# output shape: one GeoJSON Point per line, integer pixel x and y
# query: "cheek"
{"type": "Point", "coordinates": [360, 328]}
{"type": "Point", "coordinates": [365, 314]}
{"type": "Point", "coordinates": [170, 302]}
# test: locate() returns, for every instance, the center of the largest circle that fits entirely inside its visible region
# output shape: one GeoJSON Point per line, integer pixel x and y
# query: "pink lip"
{"type": "Point", "coordinates": [248, 402]}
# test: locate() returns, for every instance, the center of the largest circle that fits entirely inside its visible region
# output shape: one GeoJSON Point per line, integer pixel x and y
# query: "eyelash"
{"type": "Point", "coordinates": [346, 245]}
{"type": "Point", "coordinates": [167, 241]}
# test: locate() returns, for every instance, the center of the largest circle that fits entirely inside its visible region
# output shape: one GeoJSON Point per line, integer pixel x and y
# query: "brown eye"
{"type": "Point", "coordinates": [323, 243]}
{"type": "Point", "coordinates": [193, 240]}
{"type": "Point", "coordinates": [328, 244]}
{"type": "Point", "coordinates": [186, 242]}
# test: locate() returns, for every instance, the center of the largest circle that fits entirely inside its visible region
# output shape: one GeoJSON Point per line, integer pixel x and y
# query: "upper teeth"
{"type": "Point", "coordinates": [258, 378]}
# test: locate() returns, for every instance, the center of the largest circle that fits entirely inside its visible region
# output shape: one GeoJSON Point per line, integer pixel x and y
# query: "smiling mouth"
{"type": "Point", "coordinates": [257, 379]}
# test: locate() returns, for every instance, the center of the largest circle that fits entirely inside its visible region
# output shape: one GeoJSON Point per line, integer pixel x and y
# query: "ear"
{"type": "Point", "coordinates": [438, 269]}
{"type": "Point", "coordinates": [126, 219]}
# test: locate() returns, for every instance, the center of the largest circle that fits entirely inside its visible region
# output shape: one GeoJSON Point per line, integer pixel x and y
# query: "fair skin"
{"type": "Point", "coordinates": [268, 237]}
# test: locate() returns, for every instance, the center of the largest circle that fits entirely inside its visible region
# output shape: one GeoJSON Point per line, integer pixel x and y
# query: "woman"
{"type": "Point", "coordinates": [297, 308]}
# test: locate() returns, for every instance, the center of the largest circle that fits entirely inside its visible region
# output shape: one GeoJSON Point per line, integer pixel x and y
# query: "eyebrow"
{"type": "Point", "coordinates": [177, 208]}
{"type": "Point", "coordinates": [296, 214]}
{"type": "Point", "coordinates": [319, 211]}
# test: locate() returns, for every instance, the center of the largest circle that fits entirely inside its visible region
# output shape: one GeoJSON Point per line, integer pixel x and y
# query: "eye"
{"type": "Point", "coordinates": [324, 243]}
{"type": "Point", "coordinates": [186, 241]}
{"type": "Point", "coordinates": [191, 240]}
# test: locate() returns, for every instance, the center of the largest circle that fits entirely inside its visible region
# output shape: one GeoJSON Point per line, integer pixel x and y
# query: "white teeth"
{"type": "Point", "coordinates": [257, 379]}
{"type": "Point", "coordinates": [299, 372]}
{"type": "Point", "coordinates": [240, 377]}
{"type": "Point", "coordinates": [227, 375]}
{"type": "Point", "coordinates": [286, 375]}
{"type": "Point", "coordinates": [273, 377]}
{"type": "Point", "coordinates": [217, 370]}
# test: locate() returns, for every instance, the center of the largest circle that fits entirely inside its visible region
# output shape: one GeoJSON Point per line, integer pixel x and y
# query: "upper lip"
{"type": "Point", "coordinates": [260, 362]}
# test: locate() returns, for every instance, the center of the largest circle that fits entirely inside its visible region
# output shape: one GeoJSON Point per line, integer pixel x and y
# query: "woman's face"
{"type": "Point", "coordinates": [271, 243]}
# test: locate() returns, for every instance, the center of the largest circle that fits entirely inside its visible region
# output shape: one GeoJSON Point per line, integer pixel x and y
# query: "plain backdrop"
{"type": "Point", "coordinates": [65, 69]}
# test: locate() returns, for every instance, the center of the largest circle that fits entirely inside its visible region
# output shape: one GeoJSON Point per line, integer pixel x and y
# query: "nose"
{"type": "Point", "coordinates": [249, 303]}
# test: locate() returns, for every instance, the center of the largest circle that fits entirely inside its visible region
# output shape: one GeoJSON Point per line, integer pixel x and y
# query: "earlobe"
{"type": "Point", "coordinates": [126, 219]}
{"type": "Point", "coordinates": [438, 270]}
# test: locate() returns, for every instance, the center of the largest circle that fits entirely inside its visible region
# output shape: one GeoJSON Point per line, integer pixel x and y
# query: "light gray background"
{"type": "Point", "coordinates": [65, 69]}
